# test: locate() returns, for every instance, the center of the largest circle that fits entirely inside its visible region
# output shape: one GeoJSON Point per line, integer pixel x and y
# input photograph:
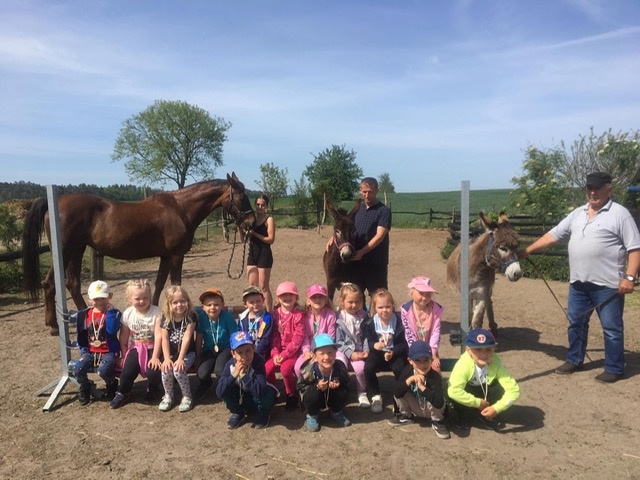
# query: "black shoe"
{"type": "Point", "coordinates": [151, 395]}
{"type": "Point", "coordinates": [441, 429]}
{"type": "Point", "coordinates": [292, 403]}
{"type": "Point", "coordinates": [262, 421]}
{"type": "Point", "coordinates": [462, 424]}
{"type": "Point", "coordinates": [567, 368]}
{"type": "Point", "coordinates": [235, 420]}
{"type": "Point", "coordinates": [399, 420]}
{"type": "Point", "coordinates": [491, 424]}
{"type": "Point", "coordinates": [112, 388]}
{"type": "Point", "coordinates": [85, 396]}
{"type": "Point", "coordinates": [606, 377]}
{"type": "Point", "coordinates": [202, 390]}
{"type": "Point", "coordinates": [119, 400]}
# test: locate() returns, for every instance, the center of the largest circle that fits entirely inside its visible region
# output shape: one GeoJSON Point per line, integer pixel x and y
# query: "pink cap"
{"type": "Point", "coordinates": [422, 284]}
{"type": "Point", "coordinates": [317, 289]}
{"type": "Point", "coordinates": [287, 287]}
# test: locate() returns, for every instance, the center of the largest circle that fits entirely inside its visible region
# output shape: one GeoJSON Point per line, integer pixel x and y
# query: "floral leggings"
{"type": "Point", "coordinates": [181, 377]}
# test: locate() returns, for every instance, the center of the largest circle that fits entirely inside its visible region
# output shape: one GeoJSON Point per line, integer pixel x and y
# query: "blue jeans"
{"type": "Point", "coordinates": [583, 298]}
{"type": "Point", "coordinates": [85, 364]}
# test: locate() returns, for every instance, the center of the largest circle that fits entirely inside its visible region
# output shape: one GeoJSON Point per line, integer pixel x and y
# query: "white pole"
{"type": "Point", "coordinates": [464, 261]}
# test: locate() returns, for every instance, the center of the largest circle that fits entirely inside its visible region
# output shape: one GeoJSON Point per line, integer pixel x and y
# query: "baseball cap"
{"type": "Point", "coordinates": [99, 289]}
{"type": "Point", "coordinates": [422, 284]}
{"type": "Point", "coordinates": [287, 287]}
{"type": "Point", "coordinates": [317, 289]}
{"type": "Point", "coordinates": [240, 338]}
{"type": "Point", "coordinates": [323, 340]}
{"type": "Point", "coordinates": [419, 349]}
{"type": "Point", "coordinates": [250, 290]}
{"type": "Point", "coordinates": [598, 179]}
{"type": "Point", "coordinates": [211, 291]}
{"type": "Point", "coordinates": [480, 338]}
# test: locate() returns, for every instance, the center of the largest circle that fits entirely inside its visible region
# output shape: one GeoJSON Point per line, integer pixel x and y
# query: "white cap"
{"type": "Point", "coordinates": [99, 289]}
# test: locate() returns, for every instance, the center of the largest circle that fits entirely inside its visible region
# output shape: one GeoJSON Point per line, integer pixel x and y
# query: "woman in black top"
{"type": "Point", "coordinates": [260, 261]}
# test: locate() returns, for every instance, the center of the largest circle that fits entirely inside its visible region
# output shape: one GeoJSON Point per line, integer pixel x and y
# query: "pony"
{"type": "Point", "coordinates": [496, 250]}
{"type": "Point", "coordinates": [338, 254]}
{"type": "Point", "coordinates": [162, 225]}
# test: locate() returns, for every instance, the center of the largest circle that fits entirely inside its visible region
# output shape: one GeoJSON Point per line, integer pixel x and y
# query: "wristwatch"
{"type": "Point", "coordinates": [631, 278]}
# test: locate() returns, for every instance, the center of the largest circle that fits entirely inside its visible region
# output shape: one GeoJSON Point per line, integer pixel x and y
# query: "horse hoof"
{"type": "Point", "coordinates": [54, 332]}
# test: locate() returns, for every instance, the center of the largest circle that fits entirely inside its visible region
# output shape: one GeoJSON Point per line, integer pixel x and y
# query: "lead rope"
{"type": "Point", "coordinates": [245, 241]}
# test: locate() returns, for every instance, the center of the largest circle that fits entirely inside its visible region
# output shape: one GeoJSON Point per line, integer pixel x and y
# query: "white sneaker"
{"type": "Point", "coordinates": [376, 404]}
{"type": "Point", "coordinates": [166, 403]}
{"type": "Point", "coordinates": [363, 401]}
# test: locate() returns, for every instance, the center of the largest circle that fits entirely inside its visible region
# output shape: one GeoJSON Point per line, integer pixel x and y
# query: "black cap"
{"type": "Point", "coordinates": [598, 179]}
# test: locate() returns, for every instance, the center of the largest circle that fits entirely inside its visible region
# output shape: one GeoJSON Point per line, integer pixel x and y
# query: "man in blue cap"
{"type": "Point", "coordinates": [480, 387]}
{"type": "Point", "coordinates": [604, 259]}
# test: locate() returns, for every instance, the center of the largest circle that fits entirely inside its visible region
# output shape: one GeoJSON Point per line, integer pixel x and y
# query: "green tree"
{"type": "Point", "coordinates": [301, 201]}
{"type": "Point", "coordinates": [385, 184]}
{"type": "Point", "coordinates": [338, 168]}
{"type": "Point", "coordinates": [273, 182]}
{"type": "Point", "coordinates": [542, 190]}
{"type": "Point", "coordinates": [170, 141]}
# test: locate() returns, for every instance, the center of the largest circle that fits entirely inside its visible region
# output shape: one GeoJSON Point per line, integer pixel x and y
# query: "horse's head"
{"type": "Point", "coordinates": [502, 247]}
{"type": "Point", "coordinates": [343, 229]}
{"type": "Point", "coordinates": [238, 204]}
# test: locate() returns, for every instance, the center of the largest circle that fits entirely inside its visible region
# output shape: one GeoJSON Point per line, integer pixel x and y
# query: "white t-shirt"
{"type": "Point", "coordinates": [142, 325]}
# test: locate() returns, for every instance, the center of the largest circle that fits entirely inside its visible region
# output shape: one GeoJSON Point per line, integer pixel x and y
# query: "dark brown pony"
{"type": "Point", "coordinates": [336, 258]}
{"type": "Point", "coordinates": [496, 250]}
{"type": "Point", "coordinates": [162, 225]}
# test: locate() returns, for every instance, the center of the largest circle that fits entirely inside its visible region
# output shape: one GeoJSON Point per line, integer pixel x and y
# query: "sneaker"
{"type": "Point", "coordinates": [166, 403]}
{"type": "Point", "coordinates": [363, 401]}
{"type": "Point", "coordinates": [491, 424]}
{"type": "Point", "coordinates": [399, 420]}
{"type": "Point", "coordinates": [376, 404]}
{"type": "Point", "coordinates": [235, 420]}
{"type": "Point", "coordinates": [262, 421]}
{"type": "Point", "coordinates": [462, 424]}
{"type": "Point", "coordinates": [606, 377]}
{"type": "Point", "coordinates": [202, 390]}
{"type": "Point", "coordinates": [119, 400]}
{"type": "Point", "coordinates": [566, 368]}
{"type": "Point", "coordinates": [441, 429]}
{"type": "Point", "coordinates": [151, 395]}
{"type": "Point", "coordinates": [185, 405]}
{"type": "Point", "coordinates": [312, 423]}
{"type": "Point", "coordinates": [292, 403]}
{"type": "Point", "coordinates": [340, 419]}
{"type": "Point", "coordinates": [84, 397]}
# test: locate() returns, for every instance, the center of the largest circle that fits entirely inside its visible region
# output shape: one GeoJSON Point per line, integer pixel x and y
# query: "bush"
{"type": "Point", "coordinates": [551, 267]}
{"type": "Point", "coordinates": [10, 277]}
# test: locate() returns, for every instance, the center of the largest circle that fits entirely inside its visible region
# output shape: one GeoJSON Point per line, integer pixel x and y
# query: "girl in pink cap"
{"type": "Point", "coordinates": [286, 341]}
{"type": "Point", "coordinates": [319, 318]}
{"type": "Point", "coordinates": [422, 317]}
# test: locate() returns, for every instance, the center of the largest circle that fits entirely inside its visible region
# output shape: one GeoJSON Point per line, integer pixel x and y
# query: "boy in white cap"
{"type": "Point", "coordinates": [480, 387]}
{"type": "Point", "coordinates": [98, 328]}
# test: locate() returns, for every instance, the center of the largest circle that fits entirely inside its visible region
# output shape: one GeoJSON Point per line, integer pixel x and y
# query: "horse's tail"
{"type": "Point", "coordinates": [33, 227]}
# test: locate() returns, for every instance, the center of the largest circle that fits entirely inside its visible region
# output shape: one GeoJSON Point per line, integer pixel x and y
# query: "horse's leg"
{"type": "Point", "coordinates": [49, 287]}
{"type": "Point", "coordinates": [161, 278]}
{"type": "Point", "coordinates": [175, 270]}
{"type": "Point", "coordinates": [72, 279]}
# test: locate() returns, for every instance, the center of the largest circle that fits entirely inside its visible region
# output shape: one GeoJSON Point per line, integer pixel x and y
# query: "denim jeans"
{"type": "Point", "coordinates": [583, 298]}
{"type": "Point", "coordinates": [85, 364]}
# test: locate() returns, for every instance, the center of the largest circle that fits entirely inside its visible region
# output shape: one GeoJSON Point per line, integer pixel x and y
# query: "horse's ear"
{"type": "Point", "coordinates": [488, 223]}
{"type": "Point", "coordinates": [235, 182]}
{"type": "Point", "coordinates": [355, 209]}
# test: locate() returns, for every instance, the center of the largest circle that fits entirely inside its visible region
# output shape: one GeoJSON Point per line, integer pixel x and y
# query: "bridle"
{"type": "Point", "coordinates": [339, 246]}
{"type": "Point", "coordinates": [233, 210]}
{"type": "Point", "coordinates": [490, 256]}
{"type": "Point", "coordinates": [239, 214]}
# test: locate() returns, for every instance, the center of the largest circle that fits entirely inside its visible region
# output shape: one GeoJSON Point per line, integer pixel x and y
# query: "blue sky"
{"type": "Point", "coordinates": [432, 93]}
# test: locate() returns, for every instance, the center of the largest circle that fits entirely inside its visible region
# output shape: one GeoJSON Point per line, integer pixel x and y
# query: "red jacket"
{"type": "Point", "coordinates": [289, 333]}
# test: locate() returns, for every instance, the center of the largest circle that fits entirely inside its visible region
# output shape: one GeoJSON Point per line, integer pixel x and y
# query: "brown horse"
{"type": "Point", "coordinates": [496, 250]}
{"type": "Point", "coordinates": [336, 258]}
{"type": "Point", "coordinates": [162, 225]}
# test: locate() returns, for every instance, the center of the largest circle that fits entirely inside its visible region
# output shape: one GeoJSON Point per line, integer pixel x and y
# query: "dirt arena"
{"type": "Point", "coordinates": [562, 426]}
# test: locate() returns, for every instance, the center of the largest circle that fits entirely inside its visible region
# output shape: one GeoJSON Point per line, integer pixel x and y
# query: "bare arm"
{"type": "Point", "coordinates": [381, 232]}
{"type": "Point", "coordinates": [633, 265]}
{"type": "Point", "coordinates": [543, 242]}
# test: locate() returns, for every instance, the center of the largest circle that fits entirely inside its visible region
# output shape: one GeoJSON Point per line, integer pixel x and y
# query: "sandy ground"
{"type": "Point", "coordinates": [562, 427]}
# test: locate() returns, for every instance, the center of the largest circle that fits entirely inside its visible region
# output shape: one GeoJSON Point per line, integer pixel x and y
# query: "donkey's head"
{"type": "Point", "coordinates": [502, 246]}
{"type": "Point", "coordinates": [343, 229]}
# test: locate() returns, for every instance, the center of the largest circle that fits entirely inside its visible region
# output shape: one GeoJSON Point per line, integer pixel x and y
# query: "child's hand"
{"type": "Point", "coordinates": [277, 360]}
{"type": "Point", "coordinates": [435, 364]}
{"type": "Point", "coordinates": [167, 366]}
{"type": "Point", "coordinates": [322, 385]}
{"type": "Point", "coordinates": [334, 383]}
{"type": "Point", "coordinates": [379, 345]}
{"type": "Point", "coordinates": [484, 404]}
{"type": "Point", "coordinates": [154, 364]}
{"type": "Point", "coordinates": [388, 355]}
{"type": "Point", "coordinates": [308, 355]}
{"type": "Point", "coordinates": [489, 412]}
{"type": "Point", "coordinates": [180, 366]}
{"type": "Point", "coordinates": [240, 370]}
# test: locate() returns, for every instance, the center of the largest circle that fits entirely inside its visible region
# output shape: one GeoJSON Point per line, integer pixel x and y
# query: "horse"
{"type": "Point", "coordinates": [336, 258]}
{"type": "Point", "coordinates": [162, 225]}
{"type": "Point", "coordinates": [496, 250]}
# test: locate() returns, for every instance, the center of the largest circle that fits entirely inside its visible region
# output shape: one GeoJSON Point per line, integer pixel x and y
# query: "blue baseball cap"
{"type": "Point", "coordinates": [480, 338]}
{"type": "Point", "coordinates": [323, 340]}
{"type": "Point", "coordinates": [419, 349]}
{"type": "Point", "coordinates": [240, 338]}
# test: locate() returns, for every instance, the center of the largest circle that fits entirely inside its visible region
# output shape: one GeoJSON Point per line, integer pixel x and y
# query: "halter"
{"type": "Point", "coordinates": [490, 256]}
{"type": "Point", "coordinates": [340, 245]}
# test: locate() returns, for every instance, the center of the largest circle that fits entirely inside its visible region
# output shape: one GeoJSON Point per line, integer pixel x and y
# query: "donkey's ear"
{"type": "Point", "coordinates": [502, 218]}
{"type": "Point", "coordinates": [330, 207]}
{"type": "Point", "coordinates": [488, 223]}
{"type": "Point", "coordinates": [355, 209]}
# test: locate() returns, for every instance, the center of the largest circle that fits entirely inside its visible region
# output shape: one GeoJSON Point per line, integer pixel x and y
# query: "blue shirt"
{"type": "Point", "coordinates": [367, 221]}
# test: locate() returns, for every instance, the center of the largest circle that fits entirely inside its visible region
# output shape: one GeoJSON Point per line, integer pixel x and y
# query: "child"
{"type": "Point", "coordinates": [418, 391]}
{"type": "Point", "coordinates": [287, 340]}
{"type": "Point", "coordinates": [141, 327]}
{"type": "Point", "coordinates": [421, 317]}
{"type": "Point", "coordinates": [97, 328]}
{"type": "Point", "coordinates": [479, 386]}
{"type": "Point", "coordinates": [323, 384]}
{"type": "Point", "coordinates": [178, 349]}
{"type": "Point", "coordinates": [256, 321]}
{"type": "Point", "coordinates": [354, 347]}
{"type": "Point", "coordinates": [386, 335]}
{"type": "Point", "coordinates": [243, 384]}
{"type": "Point", "coordinates": [319, 318]}
{"type": "Point", "coordinates": [213, 332]}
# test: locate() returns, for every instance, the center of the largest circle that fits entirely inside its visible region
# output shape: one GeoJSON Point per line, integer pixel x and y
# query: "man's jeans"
{"type": "Point", "coordinates": [583, 298]}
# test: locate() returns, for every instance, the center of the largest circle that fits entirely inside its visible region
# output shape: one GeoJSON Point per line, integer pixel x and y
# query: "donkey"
{"type": "Point", "coordinates": [496, 250]}
{"type": "Point", "coordinates": [336, 257]}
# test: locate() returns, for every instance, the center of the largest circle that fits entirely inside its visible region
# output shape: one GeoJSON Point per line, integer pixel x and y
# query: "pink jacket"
{"type": "Point", "coordinates": [326, 324]}
{"type": "Point", "coordinates": [288, 334]}
{"type": "Point", "coordinates": [410, 329]}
